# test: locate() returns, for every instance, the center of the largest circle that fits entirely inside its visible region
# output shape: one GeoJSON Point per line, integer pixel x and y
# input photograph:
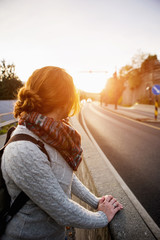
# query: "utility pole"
{"type": "Point", "coordinates": [115, 82]}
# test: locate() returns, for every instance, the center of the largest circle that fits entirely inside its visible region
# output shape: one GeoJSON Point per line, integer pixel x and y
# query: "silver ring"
{"type": "Point", "coordinates": [115, 205]}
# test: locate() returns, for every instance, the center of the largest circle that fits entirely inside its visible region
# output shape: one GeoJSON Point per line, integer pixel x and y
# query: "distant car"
{"type": "Point", "coordinates": [83, 101]}
{"type": "Point", "coordinates": [89, 100]}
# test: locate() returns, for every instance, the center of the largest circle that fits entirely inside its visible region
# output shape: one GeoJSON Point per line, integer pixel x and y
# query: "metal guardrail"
{"type": "Point", "coordinates": [4, 123]}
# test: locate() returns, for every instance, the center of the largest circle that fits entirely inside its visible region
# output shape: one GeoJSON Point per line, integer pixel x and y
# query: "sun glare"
{"type": "Point", "coordinates": [90, 82]}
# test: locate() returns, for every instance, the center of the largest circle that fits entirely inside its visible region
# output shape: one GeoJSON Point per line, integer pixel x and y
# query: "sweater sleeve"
{"type": "Point", "coordinates": [83, 193]}
{"type": "Point", "coordinates": [30, 169]}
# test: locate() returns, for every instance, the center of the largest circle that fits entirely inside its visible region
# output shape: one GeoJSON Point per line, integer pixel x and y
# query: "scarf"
{"type": "Point", "coordinates": [58, 134]}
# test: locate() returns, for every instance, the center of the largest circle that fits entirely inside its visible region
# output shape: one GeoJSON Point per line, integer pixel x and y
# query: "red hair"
{"type": "Point", "coordinates": [47, 89]}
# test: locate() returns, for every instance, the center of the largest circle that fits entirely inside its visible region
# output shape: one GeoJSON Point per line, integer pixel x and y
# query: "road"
{"type": "Point", "coordinates": [6, 106]}
{"type": "Point", "coordinates": [133, 148]}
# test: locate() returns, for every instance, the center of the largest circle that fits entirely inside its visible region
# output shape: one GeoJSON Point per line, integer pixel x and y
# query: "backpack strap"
{"type": "Point", "coordinates": [10, 131]}
{"type": "Point", "coordinates": [26, 137]}
{"type": "Point", "coordinates": [22, 198]}
{"type": "Point", "coordinates": [18, 203]}
{"type": "Point", "coordinates": [6, 141]}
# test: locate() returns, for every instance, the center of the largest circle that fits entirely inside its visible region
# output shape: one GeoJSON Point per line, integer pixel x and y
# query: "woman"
{"type": "Point", "coordinates": [48, 97]}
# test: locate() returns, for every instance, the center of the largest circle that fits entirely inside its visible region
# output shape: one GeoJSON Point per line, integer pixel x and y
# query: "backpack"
{"type": "Point", "coordinates": [7, 211]}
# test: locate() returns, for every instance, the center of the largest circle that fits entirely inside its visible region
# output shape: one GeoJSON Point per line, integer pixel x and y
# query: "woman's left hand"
{"type": "Point", "coordinates": [110, 206]}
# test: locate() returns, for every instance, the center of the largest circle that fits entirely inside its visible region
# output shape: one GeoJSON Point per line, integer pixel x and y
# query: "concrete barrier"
{"type": "Point", "coordinates": [97, 176]}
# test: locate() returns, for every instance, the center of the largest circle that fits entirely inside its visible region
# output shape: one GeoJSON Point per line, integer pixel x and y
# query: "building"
{"type": "Point", "coordinates": [144, 91]}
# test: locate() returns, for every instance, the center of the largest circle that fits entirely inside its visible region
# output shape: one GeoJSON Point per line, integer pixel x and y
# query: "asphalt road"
{"type": "Point", "coordinates": [6, 106]}
{"type": "Point", "coordinates": [133, 149]}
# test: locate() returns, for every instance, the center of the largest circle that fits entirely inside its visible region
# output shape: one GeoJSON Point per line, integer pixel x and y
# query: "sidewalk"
{"type": "Point", "coordinates": [129, 112]}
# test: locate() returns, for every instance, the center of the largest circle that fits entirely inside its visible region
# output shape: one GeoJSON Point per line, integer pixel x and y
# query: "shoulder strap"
{"type": "Point", "coordinates": [7, 139]}
{"type": "Point", "coordinates": [18, 203]}
{"type": "Point", "coordinates": [10, 131]}
{"type": "Point", "coordinates": [22, 198]}
{"type": "Point", "coordinates": [26, 137]}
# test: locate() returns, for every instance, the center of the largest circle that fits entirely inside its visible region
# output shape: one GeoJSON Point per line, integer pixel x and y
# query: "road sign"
{"type": "Point", "coordinates": [156, 89]}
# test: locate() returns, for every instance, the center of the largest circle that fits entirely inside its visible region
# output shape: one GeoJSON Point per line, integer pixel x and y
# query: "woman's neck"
{"type": "Point", "coordinates": [57, 115]}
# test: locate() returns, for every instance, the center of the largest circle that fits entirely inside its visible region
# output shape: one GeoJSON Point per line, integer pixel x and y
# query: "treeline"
{"type": "Point", "coordinates": [130, 75]}
{"type": "Point", "coordinates": [9, 81]}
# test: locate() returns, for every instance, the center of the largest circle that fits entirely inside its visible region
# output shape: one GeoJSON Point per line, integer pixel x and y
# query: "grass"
{"type": "Point", "coordinates": [4, 129]}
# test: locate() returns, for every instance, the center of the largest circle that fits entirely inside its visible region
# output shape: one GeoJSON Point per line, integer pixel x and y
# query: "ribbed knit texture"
{"type": "Point", "coordinates": [49, 186]}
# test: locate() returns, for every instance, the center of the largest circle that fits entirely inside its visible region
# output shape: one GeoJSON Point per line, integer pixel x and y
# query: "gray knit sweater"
{"type": "Point", "coordinates": [49, 186]}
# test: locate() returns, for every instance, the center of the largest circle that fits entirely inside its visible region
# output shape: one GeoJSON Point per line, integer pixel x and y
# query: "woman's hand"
{"type": "Point", "coordinates": [110, 206]}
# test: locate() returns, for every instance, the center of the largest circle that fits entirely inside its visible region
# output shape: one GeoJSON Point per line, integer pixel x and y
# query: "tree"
{"type": "Point", "coordinates": [124, 71]}
{"type": "Point", "coordinates": [132, 73]}
{"type": "Point", "coordinates": [138, 59]}
{"type": "Point", "coordinates": [134, 78]}
{"type": "Point", "coordinates": [113, 90]}
{"type": "Point", "coordinates": [149, 64]}
{"type": "Point", "coordinates": [9, 81]}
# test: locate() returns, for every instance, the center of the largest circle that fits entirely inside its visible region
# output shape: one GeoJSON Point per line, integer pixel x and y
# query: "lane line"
{"type": "Point", "coordinates": [141, 210]}
{"type": "Point", "coordinates": [122, 116]}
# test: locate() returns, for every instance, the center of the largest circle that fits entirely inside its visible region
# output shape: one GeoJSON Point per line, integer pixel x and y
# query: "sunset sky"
{"type": "Point", "coordinates": [78, 35]}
